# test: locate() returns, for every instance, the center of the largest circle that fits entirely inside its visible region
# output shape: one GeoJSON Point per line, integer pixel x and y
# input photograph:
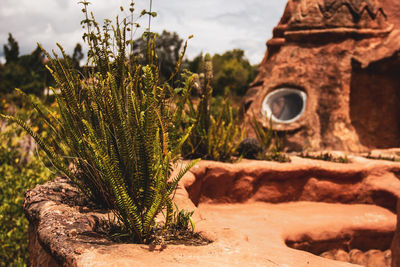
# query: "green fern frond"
{"type": "Point", "coordinates": [169, 214]}
{"type": "Point", "coordinates": [174, 181]}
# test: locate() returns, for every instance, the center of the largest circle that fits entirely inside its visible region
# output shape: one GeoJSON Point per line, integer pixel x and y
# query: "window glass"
{"type": "Point", "coordinates": [284, 105]}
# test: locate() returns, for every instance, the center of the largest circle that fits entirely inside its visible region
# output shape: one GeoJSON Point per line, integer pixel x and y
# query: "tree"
{"type": "Point", "coordinates": [26, 72]}
{"type": "Point", "coordinates": [195, 64]}
{"type": "Point", "coordinates": [232, 72]}
{"type": "Point", "coordinates": [77, 56]}
{"type": "Point", "coordinates": [11, 50]}
{"type": "Point", "coordinates": [34, 77]}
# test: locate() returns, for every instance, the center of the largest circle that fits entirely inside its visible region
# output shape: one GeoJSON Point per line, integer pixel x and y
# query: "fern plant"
{"type": "Point", "coordinates": [113, 128]}
{"type": "Point", "coordinates": [224, 133]}
{"type": "Point", "coordinates": [216, 133]}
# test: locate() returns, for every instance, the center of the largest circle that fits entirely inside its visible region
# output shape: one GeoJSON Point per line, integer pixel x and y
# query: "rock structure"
{"type": "Point", "coordinates": [257, 213]}
{"type": "Point", "coordinates": [330, 77]}
{"type": "Point", "coordinates": [396, 240]}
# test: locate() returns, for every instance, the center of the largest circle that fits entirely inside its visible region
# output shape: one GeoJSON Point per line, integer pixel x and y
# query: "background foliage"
{"type": "Point", "coordinates": [21, 168]}
{"type": "Point", "coordinates": [232, 72]}
{"type": "Point", "coordinates": [27, 72]}
{"type": "Point", "coordinates": [168, 47]}
{"type": "Point", "coordinates": [217, 129]}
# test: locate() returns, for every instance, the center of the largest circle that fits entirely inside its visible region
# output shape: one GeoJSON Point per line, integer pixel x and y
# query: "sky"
{"type": "Point", "coordinates": [217, 25]}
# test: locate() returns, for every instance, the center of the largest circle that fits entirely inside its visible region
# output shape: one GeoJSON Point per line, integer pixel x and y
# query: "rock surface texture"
{"type": "Point", "coordinates": [396, 241]}
{"type": "Point", "coordinates": [343, 55]}
{"type": "Point", "coordinates": [257, 213]}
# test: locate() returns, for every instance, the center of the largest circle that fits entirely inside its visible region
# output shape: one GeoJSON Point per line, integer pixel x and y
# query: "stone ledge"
{"type": "Point", "coordinates": [63, 233]}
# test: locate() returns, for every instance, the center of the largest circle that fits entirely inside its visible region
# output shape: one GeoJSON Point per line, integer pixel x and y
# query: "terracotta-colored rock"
{"type": "Point", "coordinates": [341, 255]}
{"type": "Point", "coordinates": [328, 255]}
{"type": "Point", "coordinates": [364, 181]}
{"type": "Point", "coordinates": [342, 57]}
{"type": "Point", "coordinates": [388, 257]}
{"type": "Point", "coordinates": [375, 258]}
{"type": "Point", "coordinates": [358, 257]}
{"type": "Point", "coordinates": [395, 248]}
{"type": "Point", "coordinates": [37, 255]}
{"type": "Point", "coordinates": [247, 229]}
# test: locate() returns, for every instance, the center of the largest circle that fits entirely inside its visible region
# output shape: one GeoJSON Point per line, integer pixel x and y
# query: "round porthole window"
{"type": "Point", "coordinates": [284, 105]}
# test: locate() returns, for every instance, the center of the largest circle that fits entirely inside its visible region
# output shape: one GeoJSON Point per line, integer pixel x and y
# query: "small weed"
{"type": "Point", "coordinates": [182, 219]}
{"type": "Point", "coordinates": [380, 157]}
{"type": "Point", "coordinates": [325, 157]}
{"type": "Point", "coordinates": [275, 156]}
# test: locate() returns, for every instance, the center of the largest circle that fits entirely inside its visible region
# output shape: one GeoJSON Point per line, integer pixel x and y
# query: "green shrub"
{"type": "Point", "coordinates": [232, 73]}
{"type": "Point", "coordinates": [26, 72]}
{"type": "Point", "coordinates": [20, 170]}
{"type": "Point", "coordinates": [217, 128]}
{"type": "Point", "coordinates": [168, 46]}
{"type": "Point", "coordinates": [114, 128]}
{"type": "Point", "coordinates": [225, 133]}
{"type": "Point", "coordinates": [269, 141]}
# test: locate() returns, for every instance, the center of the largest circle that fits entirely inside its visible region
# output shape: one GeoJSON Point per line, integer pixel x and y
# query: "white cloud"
{"type": "Point", "coordinates": [218, 25]}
